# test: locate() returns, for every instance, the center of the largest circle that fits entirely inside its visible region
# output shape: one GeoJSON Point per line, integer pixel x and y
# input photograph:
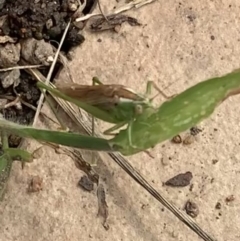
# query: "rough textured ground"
{"type": "Point", "coordinates": [178, 45]}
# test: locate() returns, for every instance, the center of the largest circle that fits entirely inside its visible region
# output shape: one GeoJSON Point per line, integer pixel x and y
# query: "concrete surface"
{"type": "Point", "coordinates": [178, 45]}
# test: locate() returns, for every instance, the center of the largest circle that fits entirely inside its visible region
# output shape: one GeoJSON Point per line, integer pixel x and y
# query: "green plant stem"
{"type": "Point", "coordinates": [5, 165]}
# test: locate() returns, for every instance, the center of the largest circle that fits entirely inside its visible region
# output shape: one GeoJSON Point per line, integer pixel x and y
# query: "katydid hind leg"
{"type": "Point", "coordinates": [115, 127]}
{"type": "Point", "coordinates": [119, 125]}
{"type": "Point", "coordinates": [129, 132]}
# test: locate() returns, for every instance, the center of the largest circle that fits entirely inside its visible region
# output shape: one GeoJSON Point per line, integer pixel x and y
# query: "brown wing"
{"type": "Point", "coordinates": [98, 94]}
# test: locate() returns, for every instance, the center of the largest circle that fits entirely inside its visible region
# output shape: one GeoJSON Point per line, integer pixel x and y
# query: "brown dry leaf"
{"type": "Point", "coordinates": [114, 21]}
{"type": "Point", "coordinates": [102, 205]}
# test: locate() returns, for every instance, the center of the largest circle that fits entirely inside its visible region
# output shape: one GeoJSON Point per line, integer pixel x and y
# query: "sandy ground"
{"type": "Point", "coordinates": [178, 45]}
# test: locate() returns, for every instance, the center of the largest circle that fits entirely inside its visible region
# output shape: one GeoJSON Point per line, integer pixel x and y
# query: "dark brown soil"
{"type": "Point", "coordinates": [42, 20]}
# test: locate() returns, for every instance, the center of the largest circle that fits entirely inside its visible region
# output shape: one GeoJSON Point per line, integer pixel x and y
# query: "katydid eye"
{"type": "Point", "coordinates": [138, 109]}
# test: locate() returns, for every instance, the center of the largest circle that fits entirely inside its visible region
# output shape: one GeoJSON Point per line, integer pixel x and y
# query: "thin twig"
{"type": "Point", "coordinates": [22, 67]}
{"type": "Point", "coordinates": [26, 104]}
{"type": "Point", "coordinates": [101, 11]}
{"type": "Point", "coordinates": [50, 74]}
{"type": "Point", "coordinates": [12, 103]}
{"type": "Point", "coordinates": [64, 61]}
{"type": "Point", "coordinates": [80, 9]}
{"type": "Point", "coordinates": [133, 4]}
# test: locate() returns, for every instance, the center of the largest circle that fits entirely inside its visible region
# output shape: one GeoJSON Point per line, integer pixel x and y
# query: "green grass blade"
{"type": "Point", "coordinates": [57, 137]}
{"type": "Point", "coordinates": [5, 165]}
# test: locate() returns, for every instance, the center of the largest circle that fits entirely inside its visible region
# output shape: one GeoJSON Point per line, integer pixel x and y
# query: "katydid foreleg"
{"type": "Point", "coordinates": [150, 85]}
{"type": "Point", "coordinates": [109, 131]}
{"type": "Point", "coordinates": [138, 110]}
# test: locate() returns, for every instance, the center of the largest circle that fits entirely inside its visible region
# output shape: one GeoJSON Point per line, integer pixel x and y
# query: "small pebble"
{"type": "Point", "coordinates": [229, 199]}
{"type": "Point", "coordinates": [86, 183]}
{"type": "Point", "coordinates": [218, 205]}
{"type": "Point", "coordinates": [35, 184]}
{"type": "Point", "coordinates": [177, 139]}
{"type": "Point", "coordinates": [188, 140]}
{"type": "Point", "coordinates": [214, 161]}
{"type": "Point", "coordinates": [195, 130]}
{"type": "Point", "coordinates": [191, 209]}
{"type": "Point", "coordinates": [212, 37]}
{"type": "Point", "coordinates": [10, 78]}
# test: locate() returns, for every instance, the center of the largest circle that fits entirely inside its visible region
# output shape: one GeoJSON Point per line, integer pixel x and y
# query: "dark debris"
{"type": "Point", "coordinates": [101, 24]}
{"type": "Point", "coordinates": [180, 180]}
{"type": "Point", "coordinates": [86, 183]}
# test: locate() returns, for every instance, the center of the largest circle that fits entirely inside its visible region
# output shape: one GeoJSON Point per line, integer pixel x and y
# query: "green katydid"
{"type": "Point", "coordinates": [153, 126]}
{"type": "Point", "coordinates": [114, 103]}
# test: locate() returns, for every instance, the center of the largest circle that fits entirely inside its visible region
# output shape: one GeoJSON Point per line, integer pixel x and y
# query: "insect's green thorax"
{"type": "Point", "coordinates": [127, 110]}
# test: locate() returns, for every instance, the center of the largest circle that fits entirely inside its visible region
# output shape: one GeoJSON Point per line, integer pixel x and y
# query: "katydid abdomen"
{"type": "Point", "coordinates": [177, 115]}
